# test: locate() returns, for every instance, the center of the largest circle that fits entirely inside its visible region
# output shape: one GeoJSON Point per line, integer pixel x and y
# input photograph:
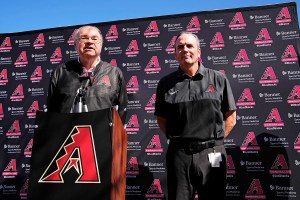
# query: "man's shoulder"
{"type": "Point", "coordinates": [169, 77]}
{"type": "Point", "coordinates": [110, 67]}
{"type": "Point", "coordinates": [215, 73]}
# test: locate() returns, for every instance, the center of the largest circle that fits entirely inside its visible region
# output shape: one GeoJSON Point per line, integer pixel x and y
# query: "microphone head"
{"type": "Point", "coordinates": [87, 76]}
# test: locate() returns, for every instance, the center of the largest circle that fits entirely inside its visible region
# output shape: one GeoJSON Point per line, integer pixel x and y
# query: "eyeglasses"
{"type": "Point", "coordinates": [87, 39]}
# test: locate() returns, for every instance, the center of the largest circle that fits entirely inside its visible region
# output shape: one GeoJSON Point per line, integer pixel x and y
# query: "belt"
{"type": "Point", "coordinates": [193, 145]}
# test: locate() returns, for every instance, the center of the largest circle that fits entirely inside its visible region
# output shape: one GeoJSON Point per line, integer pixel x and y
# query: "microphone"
{"type": "Point", "coordinates": [89, 77]}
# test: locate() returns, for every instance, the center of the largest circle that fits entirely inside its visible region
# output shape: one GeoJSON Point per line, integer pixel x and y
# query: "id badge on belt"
{"type": "Point", "coordinates": [215, 158]}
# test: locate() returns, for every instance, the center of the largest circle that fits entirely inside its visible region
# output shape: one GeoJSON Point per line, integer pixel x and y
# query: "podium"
{"type": "Point", "coordinates": [78, 156]}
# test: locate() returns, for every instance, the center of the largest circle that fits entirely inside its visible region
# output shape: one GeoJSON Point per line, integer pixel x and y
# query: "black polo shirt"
{"type": "Point", "coordinates": [194, 107]}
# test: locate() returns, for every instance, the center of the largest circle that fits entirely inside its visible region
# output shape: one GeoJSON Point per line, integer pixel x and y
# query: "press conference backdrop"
{"type": "Point", "coordinates": [256, 47]}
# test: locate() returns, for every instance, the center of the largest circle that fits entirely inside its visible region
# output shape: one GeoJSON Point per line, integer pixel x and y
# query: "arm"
{"type": "Point", "coordinates": [122, 99]}
{"type": "Point", "coordinates": [162, 124]}
{"type": "Point", "coordinates": [230, 121]}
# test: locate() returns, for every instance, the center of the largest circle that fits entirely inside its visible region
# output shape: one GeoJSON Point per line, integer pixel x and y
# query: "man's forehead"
{"type": "Point", "coordinates": [186, 38]}
{"type": "Point", "coordinates": [89, 31]}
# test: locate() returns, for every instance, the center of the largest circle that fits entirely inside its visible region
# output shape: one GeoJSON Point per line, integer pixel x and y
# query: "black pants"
{"type": "Point", "coordinates": [190, 172]}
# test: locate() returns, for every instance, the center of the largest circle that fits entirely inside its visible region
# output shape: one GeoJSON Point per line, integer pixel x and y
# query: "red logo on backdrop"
{"type": "Point", "coordinates": [268, 77]}
{"type": "Point", "coordinates": [230, 165]}
{"type": "Point", "coordinates": [71, 38]}
{"type": "Point", "coordinates": [151, 103]}
{"type": "Point", "coordinates": [133, 48]}
{"type": "Point", "coordinates": [104, 81]}
{"type": "Point", "coordinates": [263, 37]}
{"type": "Point", "coordinates": [297, 143]}
{"type": "Point", "coordinates": [153, 65]}
{"type": "Point", "coordinates": [294, 96]}
{"type": "Point", "coordinates": [39, 41]}
{"type": "Point", "coordinates": [6, 44]}
{"type": "Point", "coordinates": [132, 85]}
{"type": "Point", "coordinates": [114, 62]}
{"type": "Point", "coordinates": [24, 189]}
{"type": "Point", "coordinates": [11, 168]}
{"type": "Point", "coordinates": [78, 154]}
{"type": "Point", "coordinates": [112, 34]}
{"type": "Point", "coordinates": [37, 74]}
{"type": "Point", "coordinates": [18, 93]}
{"type": "Point", "coordinates": [289, 54]}
{"type": "Point", "coordinates": [283, 16]}
{"type": "Point", "coordinates": [241, 58]}
{"type": "Point", "coordinates": [237, 21]}
{"type": "Point", "coordinates": [193, 25]}
{"type": "Point", "coordinates": [28, 148]}
{"type": "Point", "coordinates": [31, 112]}
{"type": "Point", "coordinates": [280, 166]}
{"type": "Point", "coordinates": [152, 29]}
{"type": "Point", "coordinates": [246, 98]}
{"type": "Point", "coordinates": [14, 129]}
{"type": "Point", "coordinates": [171, 46]}
{"type": "Point", "coordinates": [250, 143]}
{"type": "Point", "coordinates": [255, 191]}
{"type": "Point", "coordinates": [3, 76]}
{"type": "Point", "coordinates": [217, 41]}
{"type": "Point", "coordinates": [155, 190]}
{"type": "Point", "coordinates": [56, 56]}
{"type": "Point", "coordinates": [22, 59]}
{"type": "Point", "coordinates": [154, 145]}
{"type": "Point", "coordinates": [1, 112]}
{"type": "Point", "coordinates": [132, 167]}
{"type": "Point", "coordinates": [133, 124]}
{"type": "Point", "coordinates": [274, 119]}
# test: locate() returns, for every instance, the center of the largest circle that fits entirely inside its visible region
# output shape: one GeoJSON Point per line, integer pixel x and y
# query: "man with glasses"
{"type": "Point", "coordinates": [102, 84]}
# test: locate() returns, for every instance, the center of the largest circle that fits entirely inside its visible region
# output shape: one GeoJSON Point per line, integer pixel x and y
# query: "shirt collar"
{"type": "Point", "coordinates": [91, 69]}
{"type": "Point", "coordinates": [201, 71]}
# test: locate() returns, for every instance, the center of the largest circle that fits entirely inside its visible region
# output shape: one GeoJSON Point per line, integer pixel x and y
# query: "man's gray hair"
{"type": "Point", "coordinates": [76, 34]}
{"type": "Point", "coordinates": [189, 33]}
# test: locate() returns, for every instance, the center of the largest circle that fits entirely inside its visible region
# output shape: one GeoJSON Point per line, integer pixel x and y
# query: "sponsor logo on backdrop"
{"type": "Point", "coordinates": [289, 55]}
{"type": "Point", "coordinates": [20, 75]}
{"type": "Point", "coordinates": [155, 167]}
{"type": "Point", "coordinates": [252, 166]}
{"type": "Point", "coordinates": [214, 23]}
{"type": "Point", "coordinates": [218, 60]}
{"type": "Point", "coordinates": [152, 123]}
{"type": "Point", "coordinates": [261, 19]}
{"type": "Point", "coordinates": [25, 168]}
{"type": "Point", "coordinates": [274, 121]}
{"type": "Point", "coordinates": [194, 25]}
{"type": "Point", "coordinates": [153, 66]}
{"type": "Point", "coordinates": [284, 192]}
{"type": "Point", "coordinates": [72, 54]}
{"type": "Point", "coordinates": [248, 120]}
{"type": "Point", "coordinates": [263, 39]}
{"type": "Point", "coordinates": [250, 144]}
{"type": "Point", "coordinates": [241, 60]}
{"type": "Point", "coordinates": [246, 100]}
{"type": "Point", "coordinates": [132, 85]}
{"type": "Point", "coordinates": [21, 60]}
{"type": "Point", "coordinates": [132, 126]}
{"type": "Point", "coordinates": [71, 38]}
{"type": "Point", "coordinates": [132, 168]}
{"type": "Point", "coordinates": [271, 97]}
{"type": "Point", "coordinates": [134, 146]}
{"type": "Point", "coordinates": [265, 56]}
{"type": "Point", "coordinates": [31, 112]}
{"type": "Point", "coordinates": [39, 42]}
{"type": "Point", "coordinates": [30, 128]}
{"type": "Point", "coordinates": [171, 46]}
{"type": "Point", "coordinates": [39, 57]}
{"type": "Point", "coordinates": [288, 35]}
{"type": "Point", "coordinates": [132, 66]}
{"type": "Point", "coordinates": [36, 91]}
{"type": "Point", "coordinates": [54, 39]}
{"type": "Point", "coordinates": [296, 117]}
{"type": "Point", "coordinates": [6, 45]}
{"type": "Point", "coordinates": [152, 30]}
{"type": "Point", "coordinates": [14, 131]}
{"type": "Point", "coordinates": [3, 77]}
{"type": "Point", "coordinates": [154, 147]}
{"type": "Point", "coordinates": [173, 27]}
{"type": "Point", "coordinates": [152, 46]}
{"type": "Point", "coordinates": [294, 96]}
{"type": "Point", "coordinates": [269, 78]}
{"type": "Point", "coordinates": [36, 75]}
{"type": "Point", "coordinates": [230, 166]}
{"type": "Point", "coordinates": [217, 43]}
{"type": "Point", "coordinates": [113, 50]}
{"type": "Point", "coordinates": [12, 148]}
{"type": "Point", "coordinates": [132, 49]}
{"type": "Point", "coordinates": [155, 190]}
{"type": "Point", "coordinates": [18, 94]}
{"type": "Point", "coordinates": [283, 17]}
{"type": "Point", "coordinates": [23, 43]}
{"type": "Point", "coordinates": [151, 83]}
{"type": "Point", "coordinates": [239, 39]}
{"type": "Point", "coordinates": [237, 22]}
{"type": "Point", "coordinates": [134, 104]}
{"type": "Point", "coordinates": [5, 60]}
{"type": "Point", "coordinates": [232, 191]}
{"type": "Point", "coordinates": [150, 107]}
{"type": "Point", "coordinates": [255, 191]}
{"type": "Point", "coordinates": [74, 156]}
{"type": "Point", "coordinates": [280, 167]}
{"type": "Point", "coordinates": [229, 143]}
{"type": "Point", "coordinates": [1, 112]}
{"type": "Point", "coordinates": [16, 110]}
{"type": "Point", "coordinates": [276, 141]}
{"type": "Point", "coordinates": [244, 78]}
{"type": "Point", "coordinates": [172, 63]}
{"type": "Point", "coordinates": [10, 170]}
{"type": "Point", "coordinates": [112, 34]}
{"type": "Point", "coordinates": [24, 190]}
{"type": "Point", "coordinates": [28, 149]}
{"type": "Point", "coordinates": [56, 56]}
{"type": "Point", "coordinates": [132, 31]}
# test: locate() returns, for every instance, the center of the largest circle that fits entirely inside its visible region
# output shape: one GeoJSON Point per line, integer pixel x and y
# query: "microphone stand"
{"type": "Point", "coordinates": [79, 104]}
